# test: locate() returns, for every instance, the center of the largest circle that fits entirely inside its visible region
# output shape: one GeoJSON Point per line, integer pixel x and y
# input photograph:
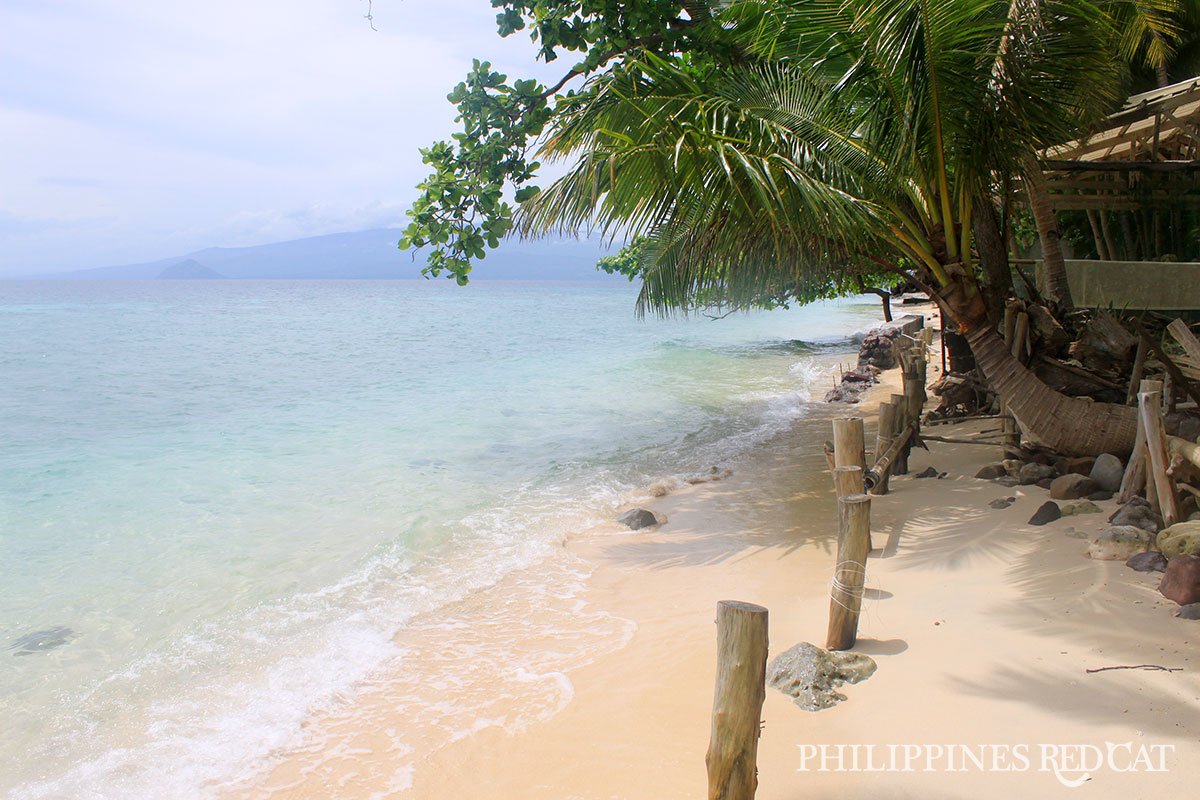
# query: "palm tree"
{"type": "Point", "coordinates": [852, 131]}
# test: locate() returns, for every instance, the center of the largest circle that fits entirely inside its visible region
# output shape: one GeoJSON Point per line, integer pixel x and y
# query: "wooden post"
{"type": "Point", "coordinates": [1019, 336]}
{"type": "Point", "coordinates": [900, 466]}
{"type": "Point", "coordinates": [883, 440]}
{"type": "Point", "coordinates": [850, 572]}
{"type": "Point", "coordinates": [1135, 471]}
{"type": "Point", "coordinates": [849, 447]}
{"type": "Point", "coordinates": [737, 701]}
{"type": "Point", "coordinates": [848, 481]}
{"type": "Point", "coordinates": [1149, 405]}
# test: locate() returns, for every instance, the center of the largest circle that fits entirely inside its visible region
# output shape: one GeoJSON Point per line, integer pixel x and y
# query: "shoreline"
{"type": "Point", "coordinates": [982, 628]}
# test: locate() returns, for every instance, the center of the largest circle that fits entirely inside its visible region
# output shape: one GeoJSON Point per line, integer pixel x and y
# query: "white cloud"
{"type": "Point", "coordinates": [136, 130]}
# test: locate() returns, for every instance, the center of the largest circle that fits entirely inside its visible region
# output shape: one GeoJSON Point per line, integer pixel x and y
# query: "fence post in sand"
{"type": "Point", "coordinates": [1150, 408]}
{"type": "Point", "coordinates": [850, 572]}
{"type": "Point", "coordinates": [1135, 471]}
{"type": "Point", "coordinates": [900, 467]}
{"type": "Point", "coordinates": [737, 701]}
{"type": "Point", "coordinates": [883, 440]}
{"type": "Point", "coordinates": [848, 481]}
{"type": "Point", "coordinates": [849, 447]}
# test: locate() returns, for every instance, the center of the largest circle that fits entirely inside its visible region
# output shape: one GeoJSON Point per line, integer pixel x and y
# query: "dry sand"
{"type": "Point", "coordinates": [982, 626]}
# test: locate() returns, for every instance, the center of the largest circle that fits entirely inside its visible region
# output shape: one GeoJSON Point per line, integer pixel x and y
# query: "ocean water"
{"type": "Point", "coordinates": [227, 507]}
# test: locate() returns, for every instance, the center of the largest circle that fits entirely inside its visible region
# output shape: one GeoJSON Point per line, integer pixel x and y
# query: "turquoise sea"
{"type": "Point", "coordinates": [222, 504]}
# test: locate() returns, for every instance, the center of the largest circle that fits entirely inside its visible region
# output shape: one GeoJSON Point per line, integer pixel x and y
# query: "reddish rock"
{"type": "Point", "coordinates": [1072, 486]}
{"type": "Point", "coordinates": [1182, 581]}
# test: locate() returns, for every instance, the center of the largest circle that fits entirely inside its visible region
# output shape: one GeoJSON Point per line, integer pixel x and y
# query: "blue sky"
{"type": "Point", "coordinates": [134, 130]}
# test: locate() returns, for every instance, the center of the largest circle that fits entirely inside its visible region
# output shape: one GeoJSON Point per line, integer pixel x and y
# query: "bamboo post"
{"type": "Point", "coordinates": [900, 465]}
{"type": "Point", "coordinates": [1010, 322]}
{"type": "Point", "coordinates": [850, 572]}
{"type": "Point", "coordinates": [872, 477]}
{"type": "Point", "coordinates": [883, 441]}
{"type": "Point", "coordinates": [1135, 471]}
{"type": "Point", "coordinates": [741, 688]}
{"type": "Point", "coordinates": [849, 446]}
{"type": "Point", "coordinates": [1149, 405]}
{"type": "Point", "coordinates": [848, 481]}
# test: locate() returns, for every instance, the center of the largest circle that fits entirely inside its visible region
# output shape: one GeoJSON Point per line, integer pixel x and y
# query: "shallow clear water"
{"type": "Point", "coordinates": [220, 502]}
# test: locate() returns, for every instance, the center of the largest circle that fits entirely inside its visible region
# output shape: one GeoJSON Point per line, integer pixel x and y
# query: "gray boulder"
{"type": "Point", "coordinates": [812, 676]}
{"type": "Point", "coordinates": [1107, 472]}
{"type": "Point", "coordinates": [1137, 512]}
{"type": "Point", "coordinates": [638, 518]}
{"type": "Point", "coordinates": [1031, 473]}
{"type": "Point", "coordinates": [991, 471]}
{"type": "Point", "coordinates": [1119, 543]}
{"type": "Point", "coordinates": [1071, 487]}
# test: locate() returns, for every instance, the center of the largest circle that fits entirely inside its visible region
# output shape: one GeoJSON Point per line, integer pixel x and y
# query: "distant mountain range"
{"type": "Point", "coordinates": [364, 254]}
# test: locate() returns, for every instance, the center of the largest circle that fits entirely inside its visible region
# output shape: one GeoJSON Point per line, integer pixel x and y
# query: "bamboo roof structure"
{"type": "Point", "coordinates": [1146, 155]}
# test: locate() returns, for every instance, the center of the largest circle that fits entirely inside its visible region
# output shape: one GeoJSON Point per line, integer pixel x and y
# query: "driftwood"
{"type": "Point", "coordinates": [1150, 407]}
{"type": "Point", "coordinates": [1170, 366]}
{"type": "Point", "coordinates": [884, 462]}
{"type": "Point", "coordinates": [1105, 344]}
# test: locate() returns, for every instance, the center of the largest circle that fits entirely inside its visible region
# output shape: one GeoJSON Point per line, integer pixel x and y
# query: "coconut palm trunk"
{"type": "Point", "coordinates": [1054, 268]}
{"type": "Point", "coordinates": [1068, 425]}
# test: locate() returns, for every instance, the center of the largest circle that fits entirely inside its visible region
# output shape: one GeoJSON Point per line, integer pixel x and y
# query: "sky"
{"type": "Point", "coordinates": [133, 130]}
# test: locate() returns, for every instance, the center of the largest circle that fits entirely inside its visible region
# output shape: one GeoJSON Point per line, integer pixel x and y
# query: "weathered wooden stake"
{"type": "Point", "coordinates": [850, 572]}
{"type": "Point", "coordinates": [1020, 335]}
{"type": "Point", "coordinates": [883, 440]}
{"type": "Point", "coordinates": [737, 701]}
{"type": "Point", "coordinates": [900, 465]}
{"type": "Point", "coordinates": [849, 447]}
{"type": "Point", "coordinates": [848, 481]}
{"type": "Point", "coordinates": [1135, 471]}
{"type": "Point", "coordinates": [1150, 405]}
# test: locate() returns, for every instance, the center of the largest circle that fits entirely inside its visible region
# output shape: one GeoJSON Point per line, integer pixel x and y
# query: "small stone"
{"type": "Point", "coordinates": [1047, 512]}
{"type": "Point", "coordinates": [1002, 502]}
{"type": "Point", "coordinates": [1182, 538]}
{"type": "Point", "coordinates": [928, 472]}
{"type": "Point", "coordinates": [639, 518]}
{"type": "Point", "coordinates": [41, 641]}
{"type": "Point", "coordinates": [1008, 480]}
{"type": "Point", "coordinates": [1149, 561]}
{"type": "Point", "coordinates": [812, 675]}
{"type": "Point", "coordinates": [1071, 487]}
{"type": "Point", "coordinates": [1190, 611]}
{"type": "Point", "coordinates": [1100, 496]}
{"type": "Point", "coordinates": [1085, 507]}
{"type": "Point", "coordinates": [1044, 483]}
{"type": "Point", "coordinates": [1031, 473]}
{"type": "Point", "coordinates": [1012, 466]}
{"type": "Point", "coordinates": [1181, 582]}
{"type": "Point", "coordinates": [1119, 543]}
{"type": "Point", "coordinates": [991, 471]}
